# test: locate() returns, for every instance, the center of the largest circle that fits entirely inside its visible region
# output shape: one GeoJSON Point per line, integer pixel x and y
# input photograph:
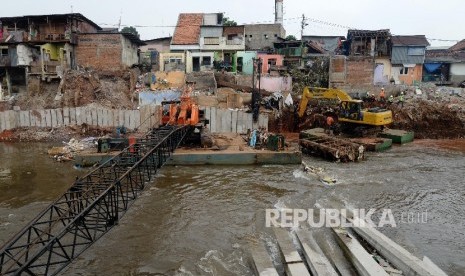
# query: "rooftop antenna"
{"type": "Point", "coordinates": [72, 9]}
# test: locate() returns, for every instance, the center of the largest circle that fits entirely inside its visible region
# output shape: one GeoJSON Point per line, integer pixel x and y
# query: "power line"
{"type": "Point", "coordinates": [313, 20]}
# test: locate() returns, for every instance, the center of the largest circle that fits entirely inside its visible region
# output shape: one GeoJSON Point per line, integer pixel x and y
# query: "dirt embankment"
{"type": "Point", "coordinates": [82, 87]}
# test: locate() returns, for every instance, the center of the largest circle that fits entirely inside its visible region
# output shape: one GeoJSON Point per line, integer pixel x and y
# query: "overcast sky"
{"type": "Point", "coordinates": [436, 19]}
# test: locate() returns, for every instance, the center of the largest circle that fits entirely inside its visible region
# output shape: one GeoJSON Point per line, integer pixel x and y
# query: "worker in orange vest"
{"type": "Point", "coordinates": [329, 123]}
{"type": "Point", "coordinates": [382, 96]}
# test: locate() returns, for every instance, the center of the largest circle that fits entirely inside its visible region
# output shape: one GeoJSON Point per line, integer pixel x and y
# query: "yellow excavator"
{"type": "Point", "coordinates": [349, 111]}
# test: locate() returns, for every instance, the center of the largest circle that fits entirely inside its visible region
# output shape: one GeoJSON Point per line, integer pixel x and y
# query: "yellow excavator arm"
{"type": "Point", "coordinates": [321, 93]}
{"type": "Point", "coordinates": [306, 96]}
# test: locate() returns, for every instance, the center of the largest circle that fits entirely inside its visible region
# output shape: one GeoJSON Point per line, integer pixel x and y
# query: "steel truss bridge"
{"type": "Point", "coordinates": [89, 208]}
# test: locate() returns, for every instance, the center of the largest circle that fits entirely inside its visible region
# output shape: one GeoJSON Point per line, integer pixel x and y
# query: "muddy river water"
{"type": "Point", "coordinates": [198, 220]}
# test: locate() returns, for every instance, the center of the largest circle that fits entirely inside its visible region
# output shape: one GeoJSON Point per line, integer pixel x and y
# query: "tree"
{"type": "Point", "coordinates": [228, 22]}
{"type": "Point", "coordinates": [130, 30]}
{"type": "Point", "coordinates": [291, 37]}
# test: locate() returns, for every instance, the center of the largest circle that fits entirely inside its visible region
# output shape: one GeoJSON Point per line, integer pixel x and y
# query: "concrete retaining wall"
{"type": "Point", "coordinates": [50, 118]}
{"type": "Point", "coordinates": [226, 120]}
{"type": "Point", "coordinates": [221, 120]}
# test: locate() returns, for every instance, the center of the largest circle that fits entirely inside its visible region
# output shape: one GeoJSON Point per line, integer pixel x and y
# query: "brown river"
{"type": "Point", "coordinates": [198, 220]}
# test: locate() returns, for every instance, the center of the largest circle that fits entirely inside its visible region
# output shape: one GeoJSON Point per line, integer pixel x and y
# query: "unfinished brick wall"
{"type": "Point", "coordinates": [100, 51]}
{"type": "Point", "coordinates": [360, 71]}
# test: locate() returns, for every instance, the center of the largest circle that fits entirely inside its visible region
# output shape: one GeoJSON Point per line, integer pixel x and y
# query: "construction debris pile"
{"type": "Point", "coordinates": [71, 148]}
{"type": "Point", "coordinates": [437, 113]}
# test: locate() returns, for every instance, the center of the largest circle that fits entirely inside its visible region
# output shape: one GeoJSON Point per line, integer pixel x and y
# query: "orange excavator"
{"type": "Point", "coordinates": [183, 111]}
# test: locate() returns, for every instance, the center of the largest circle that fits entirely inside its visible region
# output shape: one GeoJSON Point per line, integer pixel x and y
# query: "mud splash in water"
{"type": "Point", "coordinates": [199, 220]}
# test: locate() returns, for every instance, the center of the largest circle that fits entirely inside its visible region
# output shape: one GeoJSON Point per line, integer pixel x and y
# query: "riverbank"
{"type": "Point", "coordinates": [205, 216]}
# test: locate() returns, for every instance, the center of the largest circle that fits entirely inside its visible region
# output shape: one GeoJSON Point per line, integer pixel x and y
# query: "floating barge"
{"type": "Point", "coordinates": [398, 136]}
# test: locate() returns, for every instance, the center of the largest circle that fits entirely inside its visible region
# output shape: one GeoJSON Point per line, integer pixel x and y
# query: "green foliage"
{"type": "Point", "coordinates": [315, 74]}
{"type": "Point", "coordinates": [291, 37]}
{"type": "Point", "coordinates": [228, 22]}
{"type": "Point", "coordinates": [130, 30]}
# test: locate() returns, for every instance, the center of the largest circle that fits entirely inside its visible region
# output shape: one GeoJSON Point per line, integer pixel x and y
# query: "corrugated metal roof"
{"type": "Point", "coordinates": [400, 55]}
{"type": "Point", "coordinates": [409, 40]}
{"type": "Point", "coordinates": [76, 16]}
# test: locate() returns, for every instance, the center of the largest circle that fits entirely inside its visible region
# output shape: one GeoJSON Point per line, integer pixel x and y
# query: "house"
{"type": "Point", "coordinates": [332, 45]}
{"type": "Point", "coordinates": [39, 46]}
{"type": "Point", "coordinates": [261, 37]}
{"type": "Point", "coordinates": [297, 53]}
{"type": "Point", "coordinates": [407, 59]}
{"type": "Point", "coordinates": [108, 51]}
{"type": "Point", "coordinates": [457, 68]}
{"type": "Point", "coordinates": [437, 65]}
{"type": "Point", "coordinates": [205, 42]}
{"type": "Point", "coordinates": [367, 58]}
{"type": "Point", "coordinates": [150, 52]}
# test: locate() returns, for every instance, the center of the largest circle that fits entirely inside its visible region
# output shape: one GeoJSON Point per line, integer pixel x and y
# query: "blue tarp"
{"type": "Point", "coordinates": [431, 67]}
{"type": "Point", "coordinates": [156, 97]}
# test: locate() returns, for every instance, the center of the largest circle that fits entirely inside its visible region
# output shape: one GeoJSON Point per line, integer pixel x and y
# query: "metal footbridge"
{"type": "Point", "coordinates": [89, 208]}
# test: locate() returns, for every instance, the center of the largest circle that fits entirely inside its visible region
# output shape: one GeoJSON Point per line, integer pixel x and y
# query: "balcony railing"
{"type": "Point", "coordinates": [211, 41]}
{"type": "Point", "coordinates": [238, 41]}
{"type": "Point", "coordinates": [222, 43]}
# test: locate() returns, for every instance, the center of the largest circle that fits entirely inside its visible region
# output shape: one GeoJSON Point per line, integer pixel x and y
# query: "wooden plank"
{"type": "Point", "coordinates": [286, 247]}
{"type": "Point", "coordinates": [213, 120]}
{"type": "Point", "coordinates": [249, 121]}
{"type": "Point", "coordinates": [314, 256]}
{"type": "Point", "coordinates": [66, 120]}
{"type": "Point", "coordinates": [93, 113]}
{"type": "Point", "coordinates": [115, 117]}
{"type": "Point", "coordinates": [88, 113]}
{"type": "Point", "coordinates": [361, 259]}
{"type": "Point", "coordinates": [157, 118]}
{"type": "Point", "coordinates": [53, 118]}
{"type": "Point", "coordinates": [99, 114]}
{"type": "Point", "coordinates": [2, 121]}
{"type": "Point", "coordinates": [219, 119]}
{"type": "Point", "coordinates": [136, 118]}
{"type": "Point", "coordinates": [255, 124]}
{"type": "Point", "coordinates": [48, 118]}
{"type": "Point", "coordinates": [127, 118]}
{"type": "Point", "coordinates": [60, 121]}
{"type": "Point", "coordinates": [32, 118]}
{"type": "Point", "coordinates": [234, 121]}
{"type": "Point", "coordinates": [122, 118]}
{"type": "Point", "coordinates": [72, 116]}
{"type": "Point", "coordinates": [208, 115]}
{"type": "Point", "coordinates": [25, 120]}
{"type": "Point", "coordinates": [78, 114]}
{"type": "Point", "coordinates": [261, 261]}
{"type": "Point", "coordinates": [5, 121]}
{"type": "Point", "coordinates": [110, 121]}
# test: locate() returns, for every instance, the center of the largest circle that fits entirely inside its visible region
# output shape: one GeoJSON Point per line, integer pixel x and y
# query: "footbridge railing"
{"type": "Point", "coordinates": [89, 208]}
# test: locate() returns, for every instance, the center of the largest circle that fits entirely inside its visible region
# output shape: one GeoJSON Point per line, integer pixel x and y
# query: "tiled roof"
{"type": "Point", "coordinates": [460, 46]}
{"type": "Point", "coordinates": [187, 30]}
{"type": "Point", "coordinates": [409, 40]}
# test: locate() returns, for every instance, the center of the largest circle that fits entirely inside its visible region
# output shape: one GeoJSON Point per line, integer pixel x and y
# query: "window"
{"type": "Point", "coordinates": [275, 35]}
{"type": "Point", "coordinates": [404, 70]}
{"type": "Point", "coordinates": [4, 52]}
{"type": "Point", "coordinates": [207, 61]}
